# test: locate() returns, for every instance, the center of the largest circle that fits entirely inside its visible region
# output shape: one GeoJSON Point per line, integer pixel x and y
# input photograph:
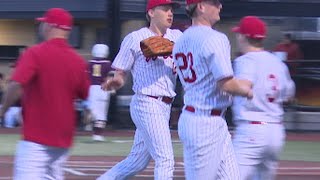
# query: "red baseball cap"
{"type": "Point", "coordinates": [58, 17]}
{"type": "Point", "coordinates": [252, 27]}
{"type": "Point", "coordinates": [153, 3]}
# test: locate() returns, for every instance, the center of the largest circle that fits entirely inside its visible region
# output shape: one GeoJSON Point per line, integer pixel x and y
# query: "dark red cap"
{"type": "Point", "coordinates": [57, 17]}
{"type": "Point", "coordinates": [252, 27]}
{"type": "Point", "coordinates": [153, 3]}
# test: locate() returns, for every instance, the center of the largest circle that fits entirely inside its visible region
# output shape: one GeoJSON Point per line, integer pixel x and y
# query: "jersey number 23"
{"type": "Point", "coordinates": [189, 75]}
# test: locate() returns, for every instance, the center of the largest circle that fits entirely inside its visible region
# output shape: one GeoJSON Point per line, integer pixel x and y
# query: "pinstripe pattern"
{"type": "Point", "coordinates": [207, 148]}
{"type": "Point", "coordinates": [229, 166]}
{"type": "Point", "coordinates": [152, 140]}
{"type": "Point", "coordinates": [155, 77]}
{"type": "Point", "coordinates": [208, 153]}
{"type": "Point", "coordinates": [135, 162]}
{"type": "Point", "coordinates": [151, 117]}
{"type": "Point", "coordinates": [151, 76]}
{"type": "Point", "coordinates": [211, 62]}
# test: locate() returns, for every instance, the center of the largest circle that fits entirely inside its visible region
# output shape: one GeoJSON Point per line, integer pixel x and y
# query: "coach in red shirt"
{"type": "Point", "coordinates": [48, 77]}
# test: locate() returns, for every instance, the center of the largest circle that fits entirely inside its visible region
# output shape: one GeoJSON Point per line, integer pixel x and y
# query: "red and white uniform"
{"type": "Point", "coordinates": [202, 58]}
{"type": "Point", "coordinates": [151, 77]}
{"type": "Point", "coordinates": [260, 135]}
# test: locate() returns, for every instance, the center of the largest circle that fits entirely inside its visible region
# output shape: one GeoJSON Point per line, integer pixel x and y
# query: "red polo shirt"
{"type": "Point", "coordinates": [52, 75]}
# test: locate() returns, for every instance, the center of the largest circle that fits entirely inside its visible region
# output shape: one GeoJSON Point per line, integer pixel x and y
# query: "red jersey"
{"type": "Point", "coordinates": [52, 75]}
{"type": "Point", "coordinates": [293, 51]}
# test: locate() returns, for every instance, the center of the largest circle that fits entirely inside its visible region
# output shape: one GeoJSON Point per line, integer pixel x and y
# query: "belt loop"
{"type": "Point", "coordinates": [263, 122]}
{"type": "Point", "coordinates": [190, 109]}
{"type": "Point", "coordinates": [212, 112]}
{"type": "Point", "coordinates": [165, 99]}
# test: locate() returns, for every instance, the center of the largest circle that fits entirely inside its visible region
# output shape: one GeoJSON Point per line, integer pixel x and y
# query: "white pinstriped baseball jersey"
{"type": "Point", "coordinates": [272, 85]}
{"type": "Point", "coordinates": [202, 57]}
{"type": "Point", "coordinates": [154, 77]}
{"type": "Point", "coordinates": [151, 76]}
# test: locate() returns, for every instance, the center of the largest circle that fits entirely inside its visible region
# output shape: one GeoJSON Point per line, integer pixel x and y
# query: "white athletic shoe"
{"type": "Point", "coordinates": [98, 138]}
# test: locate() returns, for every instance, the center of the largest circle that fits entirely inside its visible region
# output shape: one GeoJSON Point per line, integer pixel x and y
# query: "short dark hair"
{"type": "Point", "coordinates": [190, 10]}
{"type": "Point", "coordinates": [147, 17]}
{"type": "Point", "coordinates": [1, 76]}
{"type": "Point", "coordinates": [255, 42]}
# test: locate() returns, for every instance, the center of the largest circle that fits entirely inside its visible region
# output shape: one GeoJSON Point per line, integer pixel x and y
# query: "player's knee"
{"type": "Point", "coordinates": [167, 162]}
{"type": "Point", "coordinates": [99, 124]}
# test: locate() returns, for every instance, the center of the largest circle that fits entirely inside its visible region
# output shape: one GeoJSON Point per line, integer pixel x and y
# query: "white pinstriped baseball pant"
{"type": "Point", "coordinates": [152, 140]}
{"type": "Point", "coordinates": [207, 147]}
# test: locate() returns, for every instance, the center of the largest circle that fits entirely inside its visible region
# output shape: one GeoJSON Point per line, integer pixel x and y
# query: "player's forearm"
{"type": "Point", "coordinates": [11, 96]}
{"type": "Point", "coordinates": [116, 82]}
{"type": "Point", "coordinates": [236, 86]}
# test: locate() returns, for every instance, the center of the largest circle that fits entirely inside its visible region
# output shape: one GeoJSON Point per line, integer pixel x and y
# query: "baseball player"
{"type": "Point", "coordinates": [154, 82]}
{"type": "Point", "coordinates": [98, 100]}
{"type": "Point", "coordinates": [48, 77]}
{"type": "Point", "coordinates": [260, 134]}
{"type": "Point", "coordinates": [202, 57]}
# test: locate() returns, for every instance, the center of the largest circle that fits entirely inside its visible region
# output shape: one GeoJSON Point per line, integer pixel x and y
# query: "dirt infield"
{"type": "Point", "coordinates": [89, 168]}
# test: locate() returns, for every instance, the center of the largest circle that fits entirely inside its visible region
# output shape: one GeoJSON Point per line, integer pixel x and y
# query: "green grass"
{"type": "Point", "coordinates": [84, 146]}
{"type": "Point", "coordinates": [112, 147]}
{"type": "Point", "coordinates": [8, 143]}
{"type": "Point", "coordinates": [301, 151]}
{"type": "Point", "coordinates": [294, 150]}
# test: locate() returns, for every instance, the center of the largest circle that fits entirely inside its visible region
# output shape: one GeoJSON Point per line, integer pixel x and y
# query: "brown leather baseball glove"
{"type": "Point", "coordinates": [156, 46]}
